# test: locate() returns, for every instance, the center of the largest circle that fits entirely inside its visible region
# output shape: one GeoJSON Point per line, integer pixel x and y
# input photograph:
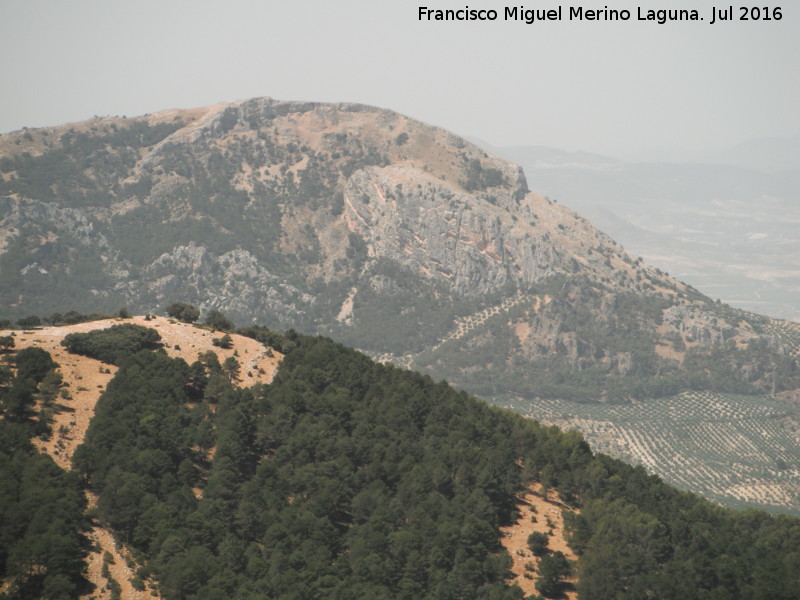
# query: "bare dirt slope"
{"type": "Point", "coordinates": [85, 380]}
{"type": "Point", "coordinates": [121, 568]}
{"type": "Point", "coordinates": [537, 512]}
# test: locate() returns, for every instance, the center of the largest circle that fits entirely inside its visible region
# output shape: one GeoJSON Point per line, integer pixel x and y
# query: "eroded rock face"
{"type": "Point", "coordinates": [704, 327]}
{"type": "Point", "coordinates": [21, 213]}
{"type": "Point", "coordinates": [234, 281]}
{"type": "Point", "coordinates": [470, 242]}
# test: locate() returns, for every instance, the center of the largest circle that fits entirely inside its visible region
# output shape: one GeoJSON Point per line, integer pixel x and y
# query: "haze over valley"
{"type": "Point", "coordinates": [726, 223]}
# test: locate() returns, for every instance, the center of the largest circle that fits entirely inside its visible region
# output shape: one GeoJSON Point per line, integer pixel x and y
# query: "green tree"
{"type": "Point", "coordinates": [537, 542]}
{"type": "Point", "coordinates": [183, 312]}
{"type": "Point", "coordinates": [226, 341]}
{"type": "Point", "coordinates": [29, 322]}
{"type": "Point", "coordinates": [210, 361]}
{"type": "Point", "coordinates": [111, 345]}
{"type": "Point", "coordinates": [197, 379]}
{"type": "Point", "coordinates": [553, 569]}
{"type": "Point", "coordinates": [18, 400]}
{"type": "Point", "coordinates": [49, 385]}
{"type": "Point", "coordinates": [6, 374]}
{"type": "Point", "coordinates": [231, 368]}
{"type": "Point", "coordinates": [41, 546]}
{"type": "Point", "coordinates": [6, 342]}
{"type": "Point", "coordinates": [33, 363]}
{"type": "Point", "coordinates": [217, 320]}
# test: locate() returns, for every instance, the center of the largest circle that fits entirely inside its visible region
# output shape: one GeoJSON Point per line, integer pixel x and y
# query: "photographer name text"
{"type": "Point", "coordinates": [661, 16]}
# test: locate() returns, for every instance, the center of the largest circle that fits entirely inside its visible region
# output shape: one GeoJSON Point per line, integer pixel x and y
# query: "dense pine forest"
{"type": "Point", "coordinates": [342, 479]}
{"type": "Point", "coordinates": [41, 506]}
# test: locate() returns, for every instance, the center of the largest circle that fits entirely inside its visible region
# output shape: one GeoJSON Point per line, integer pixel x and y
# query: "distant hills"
{"type": "Point", "coordinates": [727, 224]}
{"type": "Point", "coordinates": [387, 234]}
{"type": "Point", "coordinates": [769, 155]}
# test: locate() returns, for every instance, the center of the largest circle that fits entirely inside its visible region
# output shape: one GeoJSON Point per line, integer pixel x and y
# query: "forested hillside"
{"type": "Point", "coordinates": [344, 478]}
{"type": "Point", "coordinates": [42, 521]}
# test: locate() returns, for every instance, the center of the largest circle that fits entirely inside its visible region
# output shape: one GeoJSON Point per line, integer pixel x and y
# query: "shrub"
{"type": "Point", "coordinates": [224, 342]}
{"type": "Point", "coordinates": [537, 542]}
{"type": "Point", "coordinates": [183, 312]}
{"type": "Point", "coordinates": [219, 321]}
{"type": "Point", "coordinates": [112, 344]}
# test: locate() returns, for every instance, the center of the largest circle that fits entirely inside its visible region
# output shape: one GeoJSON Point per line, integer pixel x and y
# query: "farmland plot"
{"type": "Point", "coordinates": [787, 332]}
{"type": "Point", "coordinates": [739, 451]}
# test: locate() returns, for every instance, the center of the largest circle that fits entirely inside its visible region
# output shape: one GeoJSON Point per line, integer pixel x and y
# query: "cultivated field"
{"type": "Point", "coordinates": [736, 450]}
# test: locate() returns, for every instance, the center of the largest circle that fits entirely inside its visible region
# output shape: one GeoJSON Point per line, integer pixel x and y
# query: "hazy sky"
{"type": "Point", "coordinates": [612, 87]}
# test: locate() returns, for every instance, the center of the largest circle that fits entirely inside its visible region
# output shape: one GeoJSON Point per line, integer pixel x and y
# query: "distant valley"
{"type": "Point", "coordinates": [727, 225]}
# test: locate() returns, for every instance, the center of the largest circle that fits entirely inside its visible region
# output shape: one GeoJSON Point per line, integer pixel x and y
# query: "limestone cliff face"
{"type": "Point", "coordinates": [477, 243]}
{"type": "Point", "coordinates": [392, 235]}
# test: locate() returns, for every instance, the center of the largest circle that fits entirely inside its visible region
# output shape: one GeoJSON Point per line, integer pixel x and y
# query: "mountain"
{"type": "Point", "coordinates": [332, 477]}
{"type": "Point", "coordinates": [387, 234]}
{"type": "Point", "coordinates": [769, 155]}
{"type": "Point", "coordinates": [726, 225]}
{"type": "Point", "coordinates": [239, 197]}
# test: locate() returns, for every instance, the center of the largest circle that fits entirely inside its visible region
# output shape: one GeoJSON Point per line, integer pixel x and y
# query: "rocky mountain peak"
{"type": "Point", "coordinates": [395, 236]}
